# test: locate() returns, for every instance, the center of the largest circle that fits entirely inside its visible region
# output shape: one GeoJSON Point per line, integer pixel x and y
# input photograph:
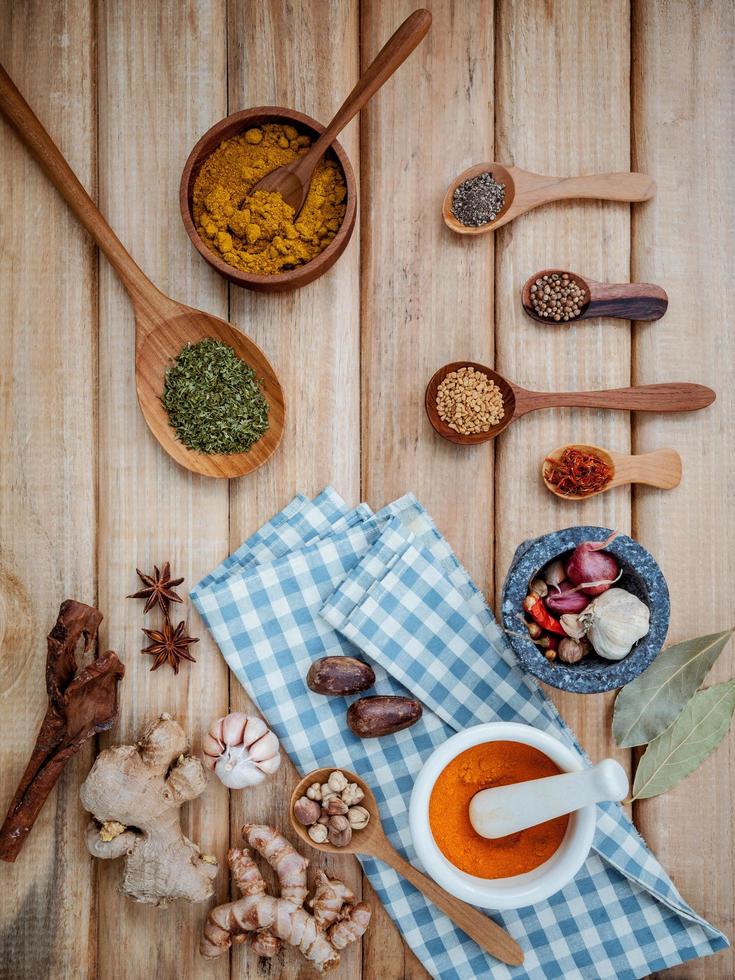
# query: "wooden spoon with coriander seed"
{"type": "Point", "coordinates": [293, 180]}
{"type": "Point", "coordinates": [674, 396]}
{"type": "Point", "coordinates": [525, 190]}
{"type": "Point", "coordinates": [371, 840]}
{"type": "Point", "coordinates": [627, 300]}
{"type": "Point", "coordinates": [162, 326]}
{"type": "Point", "coordinates": [661, 469]}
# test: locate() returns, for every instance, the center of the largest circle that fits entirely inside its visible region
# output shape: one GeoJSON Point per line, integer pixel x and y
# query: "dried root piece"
{"type": "Point", "coordinates": [82, 702]}
{"type": "Point", "coordinates": [335, 922]}
{"type": "Point", "coordinates": [135, 793]}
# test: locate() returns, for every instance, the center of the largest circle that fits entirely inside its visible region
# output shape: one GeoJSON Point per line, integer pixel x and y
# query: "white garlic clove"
{"type": "Point", "coordinates": [233, 727]}
{"type": "Point", "coordinates": [264, 748]}
{"type": "Point", "coordinates": [271, 765]}
{"type": "Point", "coordinates": [255, 728]}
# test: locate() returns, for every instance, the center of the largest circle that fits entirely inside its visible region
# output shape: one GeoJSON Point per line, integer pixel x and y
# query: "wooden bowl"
{"type": "Point", "coordinates": [506, 391]}
{"type": "Point", "coordinates": [367, 837]}
{"type": "Point", "coordinates": [231, 126]}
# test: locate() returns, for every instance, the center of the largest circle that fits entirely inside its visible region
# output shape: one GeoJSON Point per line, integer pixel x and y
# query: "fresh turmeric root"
{"type": "Point", "coordinates": [266, 922]}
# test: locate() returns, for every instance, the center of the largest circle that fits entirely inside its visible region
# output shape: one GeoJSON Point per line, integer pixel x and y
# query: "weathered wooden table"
{"type": "Point", "coordinates": [126, 87]}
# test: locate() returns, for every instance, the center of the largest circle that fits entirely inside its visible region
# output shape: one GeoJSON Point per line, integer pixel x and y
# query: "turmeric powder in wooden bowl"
{"type": "Point", "coordinates": [256, 241]}
{"type": "Point", "coordinates": [508, 872]}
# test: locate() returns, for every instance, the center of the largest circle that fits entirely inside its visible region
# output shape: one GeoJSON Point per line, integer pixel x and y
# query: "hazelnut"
{"type": "Point", "coordinates": [314, 792]}
{"type": "Point", "coordinates": [340, 832]}
{"type": "Point", "coordinates": [306, 811]}
{"type": "Point", "coordinates": [352, 794]}
{"type": "Point", "coordinates": [337, 781]}
{"type": "Point", "coordinates": [358, 817]}
{"type": "Point", "coordinates": [318, 833]}
{"type": "Point", "coordinates": [327, 791]}
{"type": "Point", "coordinates": [334, 806]}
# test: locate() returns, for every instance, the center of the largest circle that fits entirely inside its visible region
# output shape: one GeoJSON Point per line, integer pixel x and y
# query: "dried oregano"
{"type": "Point", "coordinates": [213, 399]}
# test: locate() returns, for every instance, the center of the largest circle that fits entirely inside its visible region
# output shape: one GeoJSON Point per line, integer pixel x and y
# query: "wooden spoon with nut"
{"type": "Point", "coordinates": [371, 840]}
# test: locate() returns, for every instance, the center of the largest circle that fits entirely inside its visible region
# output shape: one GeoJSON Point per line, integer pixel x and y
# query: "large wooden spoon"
{"type": "Point", "coordinates": [292, 181]}
{"type": "Point", "coordinates": [525, 190]}
{"type": "Point", "coordinates": [661, 469]}
{"type": "Point", "coordinates": [373, 842]}
{"type": "Point", "coordinates": [162, 326]}
{"type": "Point", "coordinates": [676, 396]}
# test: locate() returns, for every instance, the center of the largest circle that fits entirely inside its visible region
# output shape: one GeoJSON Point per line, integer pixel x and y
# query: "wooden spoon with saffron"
{"type": "Point", "coordinates": [661, 469]}
{"type": "Point", "coordinates": [292, 181]}
{"type": "Point", "coordinates": [371, 840]}
{"type": "Point", "coordinates": [162, 326]}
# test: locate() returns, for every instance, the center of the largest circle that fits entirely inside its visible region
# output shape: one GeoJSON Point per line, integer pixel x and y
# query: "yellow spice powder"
{"type": "Point", "coordinates": [256, 232]}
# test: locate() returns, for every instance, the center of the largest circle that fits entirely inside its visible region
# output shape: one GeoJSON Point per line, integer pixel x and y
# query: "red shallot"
{"type": "Point", "coordinates": [591, 568]}
{"type": "Point", "coordinates": [567, 599]}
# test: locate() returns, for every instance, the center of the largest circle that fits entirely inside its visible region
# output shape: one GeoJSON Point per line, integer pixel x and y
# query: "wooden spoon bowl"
{"type": "Point", "coordinates": [661, 469]}
{"type": "Point", "coordinates": [373, 842]}
{"type": "Point", "coordinates": [627, 300]}
{"type": "Point", "coordinates": [235, 125]}
{"type": "Point", "coordinates": [525, 190]}
{"type": "Point", "coordinates": [673, 396]}
{"type": "Point", "coordinates": [158, 342]}
{"type": "Point", "coordinates": [507, 393]}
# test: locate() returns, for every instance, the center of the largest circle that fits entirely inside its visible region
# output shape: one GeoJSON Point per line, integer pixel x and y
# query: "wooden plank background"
{"type": "Point", "coordinates": [560, 86]}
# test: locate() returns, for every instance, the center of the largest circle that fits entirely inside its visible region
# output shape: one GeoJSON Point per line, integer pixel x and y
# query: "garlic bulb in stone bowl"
{"type": "Point", "coordinates": [614, 621]}
{"type": "Point", "coordinates": [241, 750]}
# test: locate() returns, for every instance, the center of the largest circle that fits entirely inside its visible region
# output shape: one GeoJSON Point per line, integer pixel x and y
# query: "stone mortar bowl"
{"type": "Point", "coordinates": [641, 576]}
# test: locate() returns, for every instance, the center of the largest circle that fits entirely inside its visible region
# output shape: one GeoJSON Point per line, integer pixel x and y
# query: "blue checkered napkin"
{"type": "Point", "coordinates": [621, 917]}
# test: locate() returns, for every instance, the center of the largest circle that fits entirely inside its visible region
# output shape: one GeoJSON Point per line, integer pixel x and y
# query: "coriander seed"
{"type": "Point", "coordinates": [469, 401]}
{"type": "Point", "coordinates": [558, 297]}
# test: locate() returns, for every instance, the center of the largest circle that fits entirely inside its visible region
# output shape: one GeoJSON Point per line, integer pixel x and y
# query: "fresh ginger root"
{"type": "Point", "coordinates": [135, 793]}
{"type": "Point", "coordinates": [266, 922]}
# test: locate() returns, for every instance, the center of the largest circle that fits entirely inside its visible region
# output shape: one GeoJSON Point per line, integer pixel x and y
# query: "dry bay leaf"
{"type": "Point", "coordinates": [697, 731]}
{"type": "Point", "coordinates": [649, 704]}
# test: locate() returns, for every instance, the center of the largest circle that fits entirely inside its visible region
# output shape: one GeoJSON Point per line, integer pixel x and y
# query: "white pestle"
{"type": "Point", "coordinates": [503, 810]}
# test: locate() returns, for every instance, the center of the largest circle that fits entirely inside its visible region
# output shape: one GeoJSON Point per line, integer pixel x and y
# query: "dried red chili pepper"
{"type": "Point", "coordinates": [577, 473]}
{"type": "Point", "coordinates": [535, 607]}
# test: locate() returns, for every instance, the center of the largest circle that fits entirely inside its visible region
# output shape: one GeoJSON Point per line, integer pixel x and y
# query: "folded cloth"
{"type": "Point", "coordinates": [321, 579]}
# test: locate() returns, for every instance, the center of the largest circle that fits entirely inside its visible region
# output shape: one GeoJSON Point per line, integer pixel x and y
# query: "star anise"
{"type": "Point", "coordinates": [159, 588]}
{"type": "Point", "coordinates": [169, 645]}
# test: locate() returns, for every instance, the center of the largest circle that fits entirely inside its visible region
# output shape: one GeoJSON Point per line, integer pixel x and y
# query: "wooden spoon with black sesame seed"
{"type": "Point", "coordinates": [525, 190]}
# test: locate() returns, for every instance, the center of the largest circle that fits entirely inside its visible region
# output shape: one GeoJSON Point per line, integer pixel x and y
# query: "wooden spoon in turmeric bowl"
{"type": "Point", "coordinates": [162, 326]}
{"type": "Point", "coordinates": [371, 840]}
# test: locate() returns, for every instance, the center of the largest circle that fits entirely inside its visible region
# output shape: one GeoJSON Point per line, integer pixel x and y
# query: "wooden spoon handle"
{"type": "Point", "coordinates": [17, 111]}
{"type": "Point", "coordinates": [630, 300]}
{"type": "Point", "coordinates": [661, 469]}
{"type": "Point", "coordinates": [486, 933]}
{"type": "Point", "coordinates": [393, 53]}
{"type": "Point", "coordinates": [602, 187]}
{"type": "Point", "coordinates": [672, 397]}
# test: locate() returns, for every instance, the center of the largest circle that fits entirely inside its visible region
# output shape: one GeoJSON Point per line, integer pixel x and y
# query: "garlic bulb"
{"type": "Point", "coordinates": [241, 750]}
{"type": "Point", "coordinates": [614, 621]}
